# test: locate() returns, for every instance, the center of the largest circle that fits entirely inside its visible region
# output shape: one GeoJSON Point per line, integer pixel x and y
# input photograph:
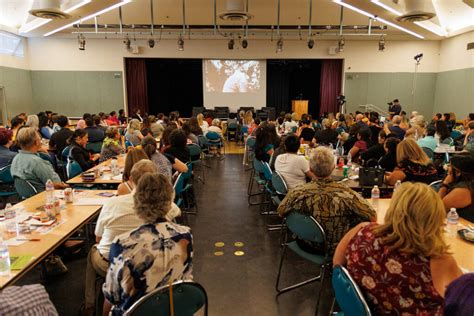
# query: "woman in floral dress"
{"type": "Point", "coordinates": [403, 266]}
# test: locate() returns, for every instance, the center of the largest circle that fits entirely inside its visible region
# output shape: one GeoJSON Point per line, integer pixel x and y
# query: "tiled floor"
{"type": "Point", "coordinates": [236, 285]}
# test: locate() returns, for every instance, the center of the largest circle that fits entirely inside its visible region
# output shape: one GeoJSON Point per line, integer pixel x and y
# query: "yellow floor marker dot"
{"type": "Point", "coordinates": [239, 244]}
{"type": "Point", "coordinates": [219, 244]}
{"type": "Point", "coordinates": [218, 253]}
{"type": "Point", "coordinates": [239, 253]}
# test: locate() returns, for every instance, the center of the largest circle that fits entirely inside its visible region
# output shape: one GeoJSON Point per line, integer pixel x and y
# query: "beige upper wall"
{"type": "Point", "coordinates": [454, 54]}
{"type": "Point", "coordinates": [16, 62]}
{"type": "Point", "coordinates": [107, 55]}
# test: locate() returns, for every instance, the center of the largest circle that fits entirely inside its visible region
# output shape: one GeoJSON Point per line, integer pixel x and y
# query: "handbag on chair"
{"type": "Point", "coordinates": [370, 176]}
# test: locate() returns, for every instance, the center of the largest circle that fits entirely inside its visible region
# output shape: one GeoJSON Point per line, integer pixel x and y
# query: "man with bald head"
{"type": "Point", "coordinates": [394, 128]}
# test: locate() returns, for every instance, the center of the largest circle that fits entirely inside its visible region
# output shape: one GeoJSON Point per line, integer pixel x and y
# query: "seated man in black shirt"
{"type": "Point", "coordinates": [327, 135]}
{"type": "Point", "coordinates": [95, 133]}
{"type": "Point", "coordinates": [59, 140]}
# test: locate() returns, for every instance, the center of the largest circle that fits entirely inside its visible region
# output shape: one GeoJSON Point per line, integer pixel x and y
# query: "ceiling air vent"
{"type": "Point", "coordinates": [49, 9]}
{"type": "Point", "coordinates": [235, 11]}
{"type": "Point", "coordinates": [417, 10]}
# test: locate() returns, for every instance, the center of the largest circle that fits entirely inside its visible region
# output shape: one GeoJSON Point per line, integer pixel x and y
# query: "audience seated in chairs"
{"type": "Point", "coordinates": [293, 168]}
{"type": "Point", "coordinates": [137, 267]}
{"type": "Point", "coordinates": [133, 156]}
{"type": "Point", "coordinates": [457, 188]}
{"type": "Point", "coordinates": [389, 160]}
{"type": "Point", "coordinates": [29, 166]}
{"type": "Point", "coordinates": [165, 163]}
{"type": "Point", "coordinates": [79, 153]}
{"type": "Point", "coordinates": [59, 140]}
{"type": "Point", "coordinates": [327, 136]}
{"type": "Point", "coordinates": [177, 145]}
{"type": "Point", "coordinates": [116, 217]}
{"type": "Point", "coordinates": [362, 144]}
{"type": "Point", "coordinates": [96, 134]}
{"type": "Point", "coordinates": [334, 205]}
{"type": "Point", "coordinates": [412, 165]}
{"type": "Point", "coordinates": [133, 134]}
{"type": "Point", "coordinates": [111, 145]}
{"type": "Point", "coordinates": [267, 141]}
{"type": "Point", "coordinates": [376, 151]}
{"type": "Point", "coordinates": [429, 140]}
{"type": "Point", "coordinates": [6, 156]}
{"type": "Point", "coordinates": [403, 266]}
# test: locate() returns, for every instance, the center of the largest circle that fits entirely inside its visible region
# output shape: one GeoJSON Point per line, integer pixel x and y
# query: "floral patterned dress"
{"type": "Point", "coordinates": [393, 283]}
{"type": "Point", "coordinates": [144, 259]}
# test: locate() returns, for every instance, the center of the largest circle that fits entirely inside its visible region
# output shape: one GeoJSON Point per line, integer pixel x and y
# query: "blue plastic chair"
{"type": "Point", "coordinates": [214, 139]}
{"type": "Point", "coordinates": [436, 185]}
{"type": "Point", "coordinates": [428, 152]}
{"type": "Point", "coordinates": [188, 298]}
{"type": "Point", "coordinates": [73, 169]}
{"type": "Point", "coordinates": [233, 131]}
{"type": "Point", "coordinates": [195, 152]}
{"type": "Point", "coordinates": [183, 188]}
{"type": "Point", "coordinates": [262, 175]}
{"type": "Point", "coordinates": [128, 144]}
{"type": "Point", "coordinates": [455, 134]}
{"type": "Point", "coordinates": [349, 297]}
{"type": "Point", "coordinates": [7, 183]}
{"type": "Point", "coordinates": [280, 187]}
{"type": "Point", "coordinates": [305, 228]}
{"type": "Point", "coordinates": [24, 188]}
{"type": "Point", "coordinates": [65, 153]}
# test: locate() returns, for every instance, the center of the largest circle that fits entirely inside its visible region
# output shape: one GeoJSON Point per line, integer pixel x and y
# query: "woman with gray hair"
{"type": "Point", "coordinates": [154, 254]}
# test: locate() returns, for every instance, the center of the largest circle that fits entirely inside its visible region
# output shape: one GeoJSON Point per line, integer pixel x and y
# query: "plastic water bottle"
{"type": "Point", "coordinates": [397, 185]}
{"type": "Point", "coordinates": [349, 160]}
{"type": "Point", "coordinates": [375, 196]}
{"type": "Point", "coordinates": [11, 224]}
{"type": "Point", "coordinates": [4, 258]}
{"type": "Point", "coordinates": [453, 220]}
{"type": "Point", "coordinates": [49, 192]}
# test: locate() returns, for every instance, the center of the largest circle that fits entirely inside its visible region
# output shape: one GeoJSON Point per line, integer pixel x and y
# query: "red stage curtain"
{"type": "Point", "coordinates": [330, 85]}
{"type": "Point", "coordinates": [137, 94]}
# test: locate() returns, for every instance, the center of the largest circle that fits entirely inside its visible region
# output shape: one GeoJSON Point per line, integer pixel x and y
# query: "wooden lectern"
{"type": "Point", "coordinates": [299, 107]}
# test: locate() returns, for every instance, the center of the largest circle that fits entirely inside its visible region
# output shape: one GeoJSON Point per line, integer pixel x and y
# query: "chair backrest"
{"type": "Point", "coordinates": [305, 227]}
{"type": "Point", "coordinates": [213, 136]}
{"type": "Point", "coordinates": [436, 185]}
{"type": "Point", "coordinates": [188, 298]}
{"type": "Point", "coordinates": [294, 129]}
{"type": "Point", "coordinates": [194, 152]}
{"type": "Point", "coordinates": [178, 185]}
{"type": "Point", "coordinates": [203, 141]}
{"type": "Point", "coordinates": [65, 153]}
{"type": "Point", "coordinates": [348, 295]}
{"type": "Point", "coordinates": [24, 188]}
{"type": "Point", "coordinates": [251, 141]}
{"type": "Point", "coordinates": [95, 147]}
{"type": "Point", "coordinates": [428, 152]}
{"type": "Point", "coordinates": [279, 183]}
{"type": "Point", "coordinates": [5, 175]}
{"type": "Point", "coordinates": [128, 144]}
{"type": "Point", "coordinates": [73, 169]}
{"type": "Point", "coordinates": [233, 126]}
{"type": "Point", "coordinates": [455, 134]}
{"type": "Point", "coordinates": [267, 171]}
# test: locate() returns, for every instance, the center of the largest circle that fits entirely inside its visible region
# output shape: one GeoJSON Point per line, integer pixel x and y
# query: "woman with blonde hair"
{"type": "Point", "coordinates": [202, 123]}
{"type": "Point", "coordinates": [412, 165]}
{"type": "Point", "coordinates": [417, 129]}
{"type": "Point", "coordinates": [248, 118]}
{"type": "Point", "coordinates": [403, 266]}
{"type": "Point", "coordinates": [133, 134]}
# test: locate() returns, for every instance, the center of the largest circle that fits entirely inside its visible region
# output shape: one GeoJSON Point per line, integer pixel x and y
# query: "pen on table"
{"type": "Point", "coordinates": [28, 239]}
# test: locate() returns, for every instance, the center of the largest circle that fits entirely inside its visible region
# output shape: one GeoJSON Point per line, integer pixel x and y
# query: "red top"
{"type": "Point", "coordinates": [392, 282]}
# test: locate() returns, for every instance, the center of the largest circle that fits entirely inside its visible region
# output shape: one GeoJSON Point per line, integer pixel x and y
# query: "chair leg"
{"type": "Point", "coordinates": [322, 274]}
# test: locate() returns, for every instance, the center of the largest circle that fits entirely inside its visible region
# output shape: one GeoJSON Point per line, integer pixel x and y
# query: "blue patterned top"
{"type": "Point", "coordinates": [144, 259]}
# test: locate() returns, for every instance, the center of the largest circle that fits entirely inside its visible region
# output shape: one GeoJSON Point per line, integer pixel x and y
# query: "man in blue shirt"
{"type": "Point", "coordinates": [29, 166]}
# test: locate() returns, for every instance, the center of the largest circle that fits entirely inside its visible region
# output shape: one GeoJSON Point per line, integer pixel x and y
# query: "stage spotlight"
{"type": "Point", "coordinates": [245, 43]}
{"type": "Point", "coordinates": [180, 44]}
{"type": "Point", "coordinates": [127, 42]}
{"type": "Point", "coordinates": [382, 44]}
{"type": "Point", "coordinates": [279, 45]}
{"type": "Point", "coordinates": [151, 42]}
{"type": "Point", "coordinates": [82, 42]}
{"type": "Point", "coordinates": [340, 44]}
{"type": "Point", "coordinates": [230, 44]}
{"type": "Point", "coordinates": [310, 43]}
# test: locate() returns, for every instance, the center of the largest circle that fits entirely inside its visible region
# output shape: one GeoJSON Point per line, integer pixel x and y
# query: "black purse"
{"type": "Point", "coordinates": [370, 176]}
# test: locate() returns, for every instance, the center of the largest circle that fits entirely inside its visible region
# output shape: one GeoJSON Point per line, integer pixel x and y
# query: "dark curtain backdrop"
{"type": "Point", "coordinates": [331, 75]}
{"type": "Point", "coordinates": [292, 79]}
{"type": "Point", "coordinates": [174, 85]}
{"type": "Point", "coordinates": [137, 95]}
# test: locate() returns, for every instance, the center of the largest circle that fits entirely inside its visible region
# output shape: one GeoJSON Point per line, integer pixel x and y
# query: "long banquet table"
{"type": "Point", "coordinates": [72, 218]}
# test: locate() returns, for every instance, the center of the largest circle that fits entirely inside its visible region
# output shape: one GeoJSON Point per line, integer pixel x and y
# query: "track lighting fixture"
{"type": "Point", "coordinates": [151, 42]}
{"type": "Point", "coordinates": [82, 42]}
{"type": "Point", "coordinates": [231, 43]}
{"type": "Point", "coordinates": [310, 43]}
{"type": "Point", "coordinates": [245, 43]}
{"type": "Point", "coordinates": [382, 44]}
{"type": "Point", "coordinates": [340, 44]}
{"type": "Point", "coordinates": [127, 42]}
{"type": "Point", "coordinates": [279, 45]}
{"type": "Point", "coordinates": [180, 43]}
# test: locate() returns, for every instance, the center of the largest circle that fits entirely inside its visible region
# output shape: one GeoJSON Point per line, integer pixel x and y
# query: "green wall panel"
{"type": "Point", "coordinates": [76, 92]}
{"type": "Point", "coordinates": [18, 90]}
{"type": "Point", "coordinates": [455, 92]}
{"type": "Point", "coordinates": [380, 88]}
